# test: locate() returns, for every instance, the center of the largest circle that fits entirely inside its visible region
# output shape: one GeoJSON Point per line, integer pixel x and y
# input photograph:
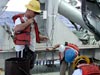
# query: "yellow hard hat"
{"type": "Point", "coordinates": [34, 5]}
{"type": "Point", "coordinates": [79, 58]}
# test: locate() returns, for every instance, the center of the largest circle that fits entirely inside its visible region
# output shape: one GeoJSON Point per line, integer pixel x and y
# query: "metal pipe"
{"type": "Point", "coordinates": [71, 13]}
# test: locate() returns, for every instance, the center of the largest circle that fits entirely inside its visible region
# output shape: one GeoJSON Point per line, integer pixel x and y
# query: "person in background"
{"type": "Point", "coordinates": [83, 66]}
{"type": "Point", "coordinates": [67, 54]}
{"type": "Point", "coordinates": [26, 32]}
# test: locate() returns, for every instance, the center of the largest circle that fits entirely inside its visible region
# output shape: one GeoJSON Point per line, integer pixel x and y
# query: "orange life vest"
{"type": "Point", "coordinates": [73, 46]}
{"type": "Point", "coordinates": [23, 37]}
{"type": "Point", "coordinates": [90, 69]}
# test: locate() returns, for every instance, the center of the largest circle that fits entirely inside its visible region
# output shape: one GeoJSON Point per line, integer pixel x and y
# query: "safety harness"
{"type": "Point", "coordinates": [23, 37]}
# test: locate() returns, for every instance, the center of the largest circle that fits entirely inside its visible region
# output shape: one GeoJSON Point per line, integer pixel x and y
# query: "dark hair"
{"type": "Point", "coordinates": [81, 62]}
{"type": "Point", "coordinates": [66, 43]}
{"type": "Point", "coordinates": [37, 13]}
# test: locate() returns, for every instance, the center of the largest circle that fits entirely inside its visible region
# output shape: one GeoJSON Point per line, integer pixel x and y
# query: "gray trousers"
{"type": "Point", "coordinates": [63, 68]}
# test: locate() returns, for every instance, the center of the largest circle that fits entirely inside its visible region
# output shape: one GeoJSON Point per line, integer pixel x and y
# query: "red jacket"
{"type": "Point", "coordinates": [90, 69]}
{"type": "Point", "coordinates": [24, 37]}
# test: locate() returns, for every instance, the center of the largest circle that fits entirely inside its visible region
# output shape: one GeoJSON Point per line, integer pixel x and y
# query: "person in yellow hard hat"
{"type": "Point", "coordinates": [83, 66]}
{"type": "Point", "coordinates": [26, 31]}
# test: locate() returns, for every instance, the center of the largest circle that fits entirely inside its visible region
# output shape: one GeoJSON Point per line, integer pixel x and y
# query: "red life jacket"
{"type": "Point", "coordinates": [90, 69]}
{"type": "Point", "coordinates": [73, 46]}
{"type": "Point", "coordinates": [23, 37]}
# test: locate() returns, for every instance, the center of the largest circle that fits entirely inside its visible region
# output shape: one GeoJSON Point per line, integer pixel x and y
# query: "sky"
{"type": "Point", "coordinates": [17, 5]}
